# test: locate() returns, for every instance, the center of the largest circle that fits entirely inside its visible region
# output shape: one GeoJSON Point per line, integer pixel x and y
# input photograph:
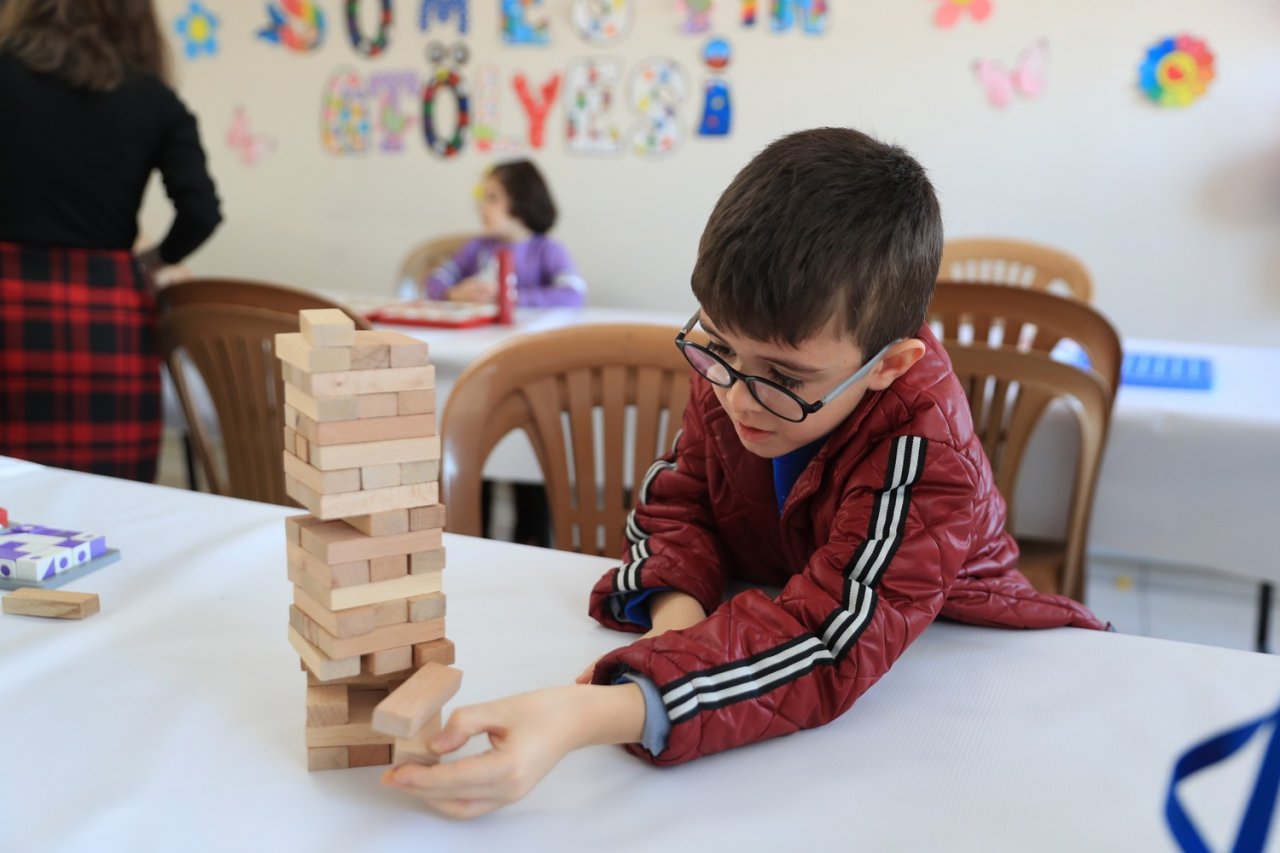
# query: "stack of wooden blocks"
{"type": "Point", "coordinates": [362, 454]}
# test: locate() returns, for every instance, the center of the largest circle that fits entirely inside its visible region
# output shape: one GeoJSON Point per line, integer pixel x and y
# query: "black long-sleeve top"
{"type": "Point", "coordinates": [74, 164]}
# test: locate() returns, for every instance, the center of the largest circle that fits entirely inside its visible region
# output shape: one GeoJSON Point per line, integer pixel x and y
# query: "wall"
{"type": "Point", "coordinates": [1176, 211]}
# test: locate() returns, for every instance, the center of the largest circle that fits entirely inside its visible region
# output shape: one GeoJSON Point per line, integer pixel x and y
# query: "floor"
{"type": "Point", "coordinates": [1175, 603]}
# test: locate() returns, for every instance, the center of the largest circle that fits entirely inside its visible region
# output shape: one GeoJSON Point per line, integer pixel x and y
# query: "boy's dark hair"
{"type": "Point", "coordinates": [822, 222]}
{"type": "Point", "coordinates": [530, 198]}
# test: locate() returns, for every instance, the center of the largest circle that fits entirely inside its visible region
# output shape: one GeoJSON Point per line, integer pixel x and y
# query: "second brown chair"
{"type": "Point", "coordinates": [1016, 263]}
{"type": "Point", "coordinates": [598, 403]}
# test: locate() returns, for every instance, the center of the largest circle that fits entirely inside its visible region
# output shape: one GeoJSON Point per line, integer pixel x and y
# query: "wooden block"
{"type": "Point", "coordinates": [368, 353]}
{"type": "Point", "coordinates": [328, 409]}
{"type": "Point", "coordinates": [327, 705]}
{"type": "Point", "coordinates": [416, 402]}
{"type": "Point", "coordinates": [346, 382]}
{"type": "Point", "coordinates": [320, 664]}
{"type": "Point", "coordinates": [426, 471]}
{"type": "Point", "coordinates": [414, 750]}
{"type": "Point", "coordinates": [341, 623]}
{"type": "Point", "coordinates": [344, 598]}
{"type": "Point", "coordinates": [437, 651]}
{"type": "Point", "coordinates": [404, 350]}
{"type": "Point", "coordinates": [327, 758]}
{"type": "Point", "coordinates": [293, 526]}
{"type": "Point", "coordinates": [423, 608]}
{"type": "Point", "coordinates": [365, 680]}
{"type": "Point", "coordinates": [381, 523]}
{"type": "Point", "coordinates": [377, 640]}
{"type": "Point", "coordinates": [405, 710]}
{"type": "Point", "coordinates": [362, 502]}
{"type": "Point", "coordinates": [390, 612]}
{"type": "Point", "coordinates": [387, 661]}
{"type": "Point", "coordinates": [426, 562]}
{"type": "Point", "coordinates": [357, 731]}
{"type": "Point", "coordinates": [386, 568]}
{"type": "Point", "coordinates": [423, 517]}
{"type": "Point", "coordinates": [380, 476]}
{"type": "Point", "coordinates": [327, 576]}
{"type": "Point", "coordinates": [378, 405]}
{"type": "Point", "coordinates": [290, 418]}
{"type": "Point", "coordinates": [290, 439]}
{"type": "Point", "coordinates": [327, 327]}
{"type": "Point", "coordinates": [51, 603]}
{"type": "Point", "coordinates": [322, 482]}
{"type": "Point", "coordinates": [292, 348]}
{"type": "Point", "coordinates": [331, 457]}
{"type": "Point", "coordinates": [302, 448]}
{"type": "Point", "coordinates": [366, 429]}
{"type": "Point", "coordinates": [339, 542]}
{"type": "Point", "coordinates": [372, 755]}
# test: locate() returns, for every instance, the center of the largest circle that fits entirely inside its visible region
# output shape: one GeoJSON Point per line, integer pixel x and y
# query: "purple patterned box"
{"type": "Point", "coordinates": [34, 553]}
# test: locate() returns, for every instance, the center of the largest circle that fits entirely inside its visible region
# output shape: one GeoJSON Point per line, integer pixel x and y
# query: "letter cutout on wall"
{"type": "Point", "coordinates": [589, 87]}
{"type": "Point", "coordinates": [811, 15]}
{"type": "Point", "coordinates": [362, 44]}
{"type": "Point", "coordinates": [297, 25]}
{"type": "Point", "coordinates": [385, 90]}
{"type": "Point", "coordinates": [717, 100]}
{"type": "Point", "coordinates": [522, 25]}
{"type": "Point", "coordinates": [602, 21]}
{"type": "Point", "coordinates": [344, 127]}
{"type": "Point", "coordinates": [536, 107]}
{"type": "Point", "coordinates": [486, 129]}
{"type": "Point", "coordinates": [696, 16]}
{"type": "Point", "coordinates": [443, 10]}
{"type": "Point", "coordinates": [444, 78]}
{"type": "Point", "coordinates": [656, 92]}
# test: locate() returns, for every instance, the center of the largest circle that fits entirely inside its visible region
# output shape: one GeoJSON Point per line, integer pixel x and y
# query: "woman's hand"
{"type": "Point", "coordinates": [528, 735]}
{"type": "Point", "coordinates": [473, 290]}
{"type": "Point", "coordinates": [668, 611]}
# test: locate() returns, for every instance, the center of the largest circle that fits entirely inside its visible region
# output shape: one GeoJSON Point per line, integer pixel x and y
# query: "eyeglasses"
{"type": "Point", "coordinates": [776, 399]}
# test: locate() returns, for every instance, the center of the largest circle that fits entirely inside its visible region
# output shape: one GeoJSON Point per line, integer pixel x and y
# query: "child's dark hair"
{"type": "Point", "coordinates": [822, 222]}
{"type": "Point", "coordinates": [530, 198]}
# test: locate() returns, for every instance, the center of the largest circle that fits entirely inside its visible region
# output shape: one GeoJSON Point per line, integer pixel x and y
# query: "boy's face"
{"type": "Point", "coordinates": [810, 370]}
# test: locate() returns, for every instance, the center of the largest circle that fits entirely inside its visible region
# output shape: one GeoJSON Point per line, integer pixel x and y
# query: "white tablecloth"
{"type": "Point", "coordinates": [173, 719]}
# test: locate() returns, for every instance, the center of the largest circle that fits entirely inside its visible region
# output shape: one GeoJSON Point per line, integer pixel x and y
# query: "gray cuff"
{"type": "Point", "coordinates": [657, 725]}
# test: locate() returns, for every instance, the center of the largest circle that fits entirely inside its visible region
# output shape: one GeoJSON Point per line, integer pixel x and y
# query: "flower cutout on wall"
{"type": "Point", "coordinates": [1176, 71]}
{"type": "Point", "coordinates": [950, 12]}
{"type": "Point", "coordinates": [199, 31]}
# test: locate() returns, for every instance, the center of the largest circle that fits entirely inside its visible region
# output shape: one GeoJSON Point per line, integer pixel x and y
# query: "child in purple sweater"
{"type": "Point", "coordinates": [517, 211]}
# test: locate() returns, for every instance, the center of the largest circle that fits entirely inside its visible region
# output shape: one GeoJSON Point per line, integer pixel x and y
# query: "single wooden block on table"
{"type": "Point", "coordinates": [364, 502]}
{"type": "Point", "coordinates": [321, 665]}
{"type": "Point", "coordinates": [440, 651]}
{"type": "Point", "coordinates": [327, 705]}
{"type": "Point", "coordinates": [292, 348]}
{"type": "Point", "coordinates": [410, 705]}
{"type": "Point", "coordinates": [50, 603]}
{"type": "Point", "coordinates": [327, 327]}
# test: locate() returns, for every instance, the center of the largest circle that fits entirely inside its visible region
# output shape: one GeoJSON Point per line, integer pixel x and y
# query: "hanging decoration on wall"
{"type": "Point", "coordinates": [344, 127]}
{"type": "Point", "coordinates": [1176, 71]}
{"type": "Point", "coordinates": [522, 25]}
{"type": "Point", "coordinates": [364, 45]}
{"type": "Point", "coordinates": [717, 101]}
{"type": "Point", "coordinates": [298, 25]}
{"type": "Point", "coordinates": [696, 16]}
{"type": "Point", "coordinates": [749, 13]}
{"type": "Point", "coordinates": [442, 11]}
{"type": "Point", "coordinates": [1027, 77]}
{"type": "Point", "coordinates": [385, 91]}
{"type": "Point", "coordinates": [536, 108]}
{"type": "Point", "coordinates": [811, 15]}
{"type": "Point", "coordinates": [951, 11]}
{"type": "Point", "coordinates": [250, 147]}
{"type": "Point", "coordinates": [656, 91]}
{"type": "Point", "coordinates": [589, 84]}
{"type": "Point", "coordinates": [443, 77]}
{"type": "Point", "coordinates": [602, 21]}
{"type": "Point", "coordinates": [198, 28]}
{"type": "Point", "coordinates": [485, 126]}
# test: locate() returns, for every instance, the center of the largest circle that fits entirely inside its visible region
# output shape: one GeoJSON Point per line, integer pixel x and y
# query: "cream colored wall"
{"type": "Point", "coordinates": [1135, 191]}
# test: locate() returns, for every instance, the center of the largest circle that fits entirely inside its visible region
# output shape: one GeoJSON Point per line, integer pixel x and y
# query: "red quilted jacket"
{"type": "Point", "coordinates": [894, 523]}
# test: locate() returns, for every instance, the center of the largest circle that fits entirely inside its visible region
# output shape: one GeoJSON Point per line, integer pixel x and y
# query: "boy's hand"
{"type": "Point", "coordinates": [473, 290]}
{"type": "Point", "coordinates": [669, 611]}
{"type": "Point", "coordinates": [528, 735]}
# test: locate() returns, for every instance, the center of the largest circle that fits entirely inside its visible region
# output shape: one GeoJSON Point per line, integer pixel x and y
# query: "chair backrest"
{"type": "Point", "coordinates": [1017, 263]}
{"type": "Point", "coordinates": [428, 255]}
{"type": "Point", "coordinates": [598, 402]}
{"type": "Point", "coordinates": [1003, 342]}
{"type": "Point", "coordinates": [225, 330]}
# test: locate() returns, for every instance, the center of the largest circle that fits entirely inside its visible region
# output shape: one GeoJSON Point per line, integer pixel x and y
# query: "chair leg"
{"type": "Point", "coordinates": [1264, 617]}
{"type": "Point", "coordinates": [189, 455]}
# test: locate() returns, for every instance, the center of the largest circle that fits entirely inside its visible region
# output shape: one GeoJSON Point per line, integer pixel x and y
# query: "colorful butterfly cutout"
{"type": "Point", "coordinates": [250, 146]}
{"type": "Point", "coordinates": [1027, 78]}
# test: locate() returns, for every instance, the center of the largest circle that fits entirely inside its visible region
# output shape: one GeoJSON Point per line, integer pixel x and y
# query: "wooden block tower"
{"type": "Point", "coordinates": [363, 455]}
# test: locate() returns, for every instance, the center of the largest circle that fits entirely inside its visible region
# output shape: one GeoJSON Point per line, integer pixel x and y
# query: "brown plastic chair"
{"type": "Point", "coordinates": [598, 402]}
{"type": "Point", "coordinates": [426, 256]}
{"type": "Point", "coordinates": [1017, 263]}
{"type": "Point", "coordinates": [1000, 340]}
{"type": "Point", "coordinates": [225, 329]}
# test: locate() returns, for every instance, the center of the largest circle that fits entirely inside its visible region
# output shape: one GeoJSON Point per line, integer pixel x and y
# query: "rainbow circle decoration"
{"type": "Point", "coordinates": [451, 147]}
{"type": "Point", "coordinates": [364, 45]}
{"type": "Point", "coordinates": [1177, 71]}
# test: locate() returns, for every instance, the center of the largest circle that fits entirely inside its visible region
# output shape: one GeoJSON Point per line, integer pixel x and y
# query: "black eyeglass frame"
{"type": "Point", "coordinates": [806, 408]}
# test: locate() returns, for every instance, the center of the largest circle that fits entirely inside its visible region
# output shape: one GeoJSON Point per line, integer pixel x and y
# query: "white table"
{"type": "Point", "coordinates": [173, 719]}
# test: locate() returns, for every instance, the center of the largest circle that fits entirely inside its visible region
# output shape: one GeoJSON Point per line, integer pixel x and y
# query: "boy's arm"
{"type": "Point", "coordinates": [559, 284]}
{"type": "Point", "coordinates": [460, 267]}
{"type": "Point", "coordinates": [758, 668]}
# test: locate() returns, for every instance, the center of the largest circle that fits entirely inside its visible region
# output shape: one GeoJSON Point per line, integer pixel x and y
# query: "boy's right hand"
{"type": "Point", "coordinates": [473, 290]}
{"type": "Point", "coordinates": [670, 611]}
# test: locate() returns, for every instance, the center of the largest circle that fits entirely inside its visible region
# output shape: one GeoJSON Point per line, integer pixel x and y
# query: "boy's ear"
{"type": "Point", "coordinates": [895, 362]}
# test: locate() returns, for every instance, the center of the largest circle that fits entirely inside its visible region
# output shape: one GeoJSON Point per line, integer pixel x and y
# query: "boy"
{"type": "Point", "coordinates": [826, 448]}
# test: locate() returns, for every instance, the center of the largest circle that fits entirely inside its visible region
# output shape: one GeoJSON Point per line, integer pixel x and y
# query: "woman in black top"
{"type": "Point", "coordinates": [87, 115]}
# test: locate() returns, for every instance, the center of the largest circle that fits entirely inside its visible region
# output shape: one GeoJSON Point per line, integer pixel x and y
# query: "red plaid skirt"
{"type": "Point", "coordinates": [79, 366]}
